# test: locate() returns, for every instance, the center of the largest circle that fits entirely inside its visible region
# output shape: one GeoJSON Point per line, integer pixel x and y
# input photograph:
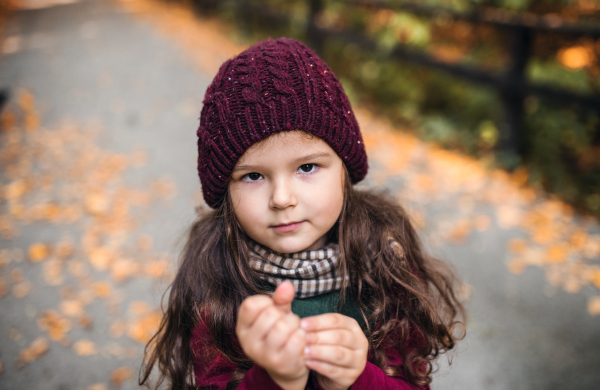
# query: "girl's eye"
{"type": "Point", "coordinates": [307, 168]}
{"type": "Point", "coordinates": [252, 176]}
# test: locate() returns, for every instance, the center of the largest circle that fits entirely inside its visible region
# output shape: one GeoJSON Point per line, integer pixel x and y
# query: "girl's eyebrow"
{"type": "Point", "coordinates": [308, 157]}
{"type": "Point", "coordinates": [313, 156]}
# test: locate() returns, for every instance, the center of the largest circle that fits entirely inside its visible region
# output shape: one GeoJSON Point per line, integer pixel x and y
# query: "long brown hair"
{"type": "Point", "coordinates": [409, 295]}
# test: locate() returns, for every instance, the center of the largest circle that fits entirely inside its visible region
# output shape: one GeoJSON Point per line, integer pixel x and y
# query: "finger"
{"type": "Point", "coordinates": [342, 337]}
{"type": "Point", "coordinates": [296, 342]}
{"type": "Point", "coordinates": [328, 370]}
{"type": "Point", "coordinates": [265, 322]}
{"type": "Point", "coordinates": [329, 321]}
{"type": "Point", "coordinates": [332, 354]}
{"type": "Point", "coordinates": [283, 296]}
{"type": "Point", "coordinates": [281, 331]}
{"type": "Point", "coordinates": [250, 309]}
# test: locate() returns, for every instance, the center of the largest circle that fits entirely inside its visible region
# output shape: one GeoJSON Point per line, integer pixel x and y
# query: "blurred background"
{"type": "Point", "coordinates": [481, 117]}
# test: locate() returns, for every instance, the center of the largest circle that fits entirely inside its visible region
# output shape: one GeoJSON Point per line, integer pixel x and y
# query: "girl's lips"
{"type": "Point", "coordinates": [287, 228]}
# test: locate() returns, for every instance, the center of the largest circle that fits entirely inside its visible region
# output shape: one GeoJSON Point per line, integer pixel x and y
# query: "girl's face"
{"type": "Point", "coordinates": [287, 191]}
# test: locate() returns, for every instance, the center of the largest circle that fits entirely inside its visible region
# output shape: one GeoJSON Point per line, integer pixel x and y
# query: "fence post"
{"type": "Point", "coordinates": [511, 142]}
{"type": "Point", "coordinates": [315, 39]}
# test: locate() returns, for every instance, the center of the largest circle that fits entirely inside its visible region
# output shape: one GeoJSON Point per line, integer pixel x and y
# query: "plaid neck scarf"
{"type": "Point", "coordinates": [311, 272]}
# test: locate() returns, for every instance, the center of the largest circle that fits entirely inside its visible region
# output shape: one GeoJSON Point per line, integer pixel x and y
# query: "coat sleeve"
{"type": "Point", "coordinates": [212, 371]}
{"type": "Point", "coordinates": [373, 377]}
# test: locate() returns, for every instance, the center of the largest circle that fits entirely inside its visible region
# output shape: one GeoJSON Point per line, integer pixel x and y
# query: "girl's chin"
{"type": "Point", "coordinates": [290, 247]}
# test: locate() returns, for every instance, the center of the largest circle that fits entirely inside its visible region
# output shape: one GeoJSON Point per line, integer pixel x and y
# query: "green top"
{"type": "Point", "coordinates": [325, 303]}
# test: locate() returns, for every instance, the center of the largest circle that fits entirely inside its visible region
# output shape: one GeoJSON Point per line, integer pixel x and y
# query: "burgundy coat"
{"type": "Point", "coordinates": [216, 372]}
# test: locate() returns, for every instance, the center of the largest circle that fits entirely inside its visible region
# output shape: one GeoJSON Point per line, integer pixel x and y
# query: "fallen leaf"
{"type": "Point", "coordinates": [100, 258]}
{"type": "Point", "coordinates": [3, 288]}
{"type": "Point", "coordinates": [97, 203]}
{"type": "Point", "coordinates": [64, 250]}
{"type": "Point", "coordinates": [145, 242]}
{"type": "Point", "coordinates": [36, 349]}
{"type": "Point", "coordinates": [56, 325]}
{"type": "Point", "coordinates": [143, 329]}
{"type": "Point", "coordinates": [98, 386]}
{"type": "Point", "coordinates": [38, 252]}
{"type": "Point", "coordinates": [557, 254]}
{"type": "Point", "coordinates": [22, 289]}
{"type": "Point", "coordinates": [84, 348]}
{"type": "Point", "coordinates": [117, 329]}
{"type": "Point", "coordinates": [102, 289]}
{"type": "Point", "coordinates": [119, 375]}
{"type": "Point", "coordinates": [517, 245]}
{"type": "Point", "coordinates": [593, 306]}
{"type": "Point", "coordinates": [72, 308]}
{"type": "Point", "coordinates": [516, 266]}
{"type": "Point", "coordinates": [52, 272]}
{"type": "Point", "coordinates": [16, 275]}
{"type": "Point", "coordinates": [157, 269]}
{"type": "Point", "coordinates": [482, 223]}
{"type": "Point", "coordinates": [123, 269]}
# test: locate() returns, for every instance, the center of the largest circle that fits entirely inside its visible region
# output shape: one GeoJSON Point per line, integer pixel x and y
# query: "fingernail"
{"type": "Point", "coordinates": [306, 351]}
{"type": "Point", "coordinates": [305, 324]}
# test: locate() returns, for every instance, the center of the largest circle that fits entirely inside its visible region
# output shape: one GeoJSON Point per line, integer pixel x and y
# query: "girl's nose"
{"type": "Point", "coordinates": [282, 195]}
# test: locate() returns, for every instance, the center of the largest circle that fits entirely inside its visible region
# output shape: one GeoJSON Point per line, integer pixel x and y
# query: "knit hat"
{"type": "Point", "coordinates": [273, 86]}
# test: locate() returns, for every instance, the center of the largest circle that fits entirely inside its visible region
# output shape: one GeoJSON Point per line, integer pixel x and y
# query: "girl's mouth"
{"type": "Point", "coordinates": [287, 227]}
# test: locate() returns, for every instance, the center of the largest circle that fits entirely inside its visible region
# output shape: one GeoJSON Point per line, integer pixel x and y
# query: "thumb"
{"type": "Point", "coordinates": [283, 296]}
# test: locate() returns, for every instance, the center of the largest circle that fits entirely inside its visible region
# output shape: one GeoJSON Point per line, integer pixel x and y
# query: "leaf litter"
{"type": "Point", "coordinates": [60, 176]}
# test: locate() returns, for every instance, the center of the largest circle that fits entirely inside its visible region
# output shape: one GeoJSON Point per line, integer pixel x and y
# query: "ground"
{"type": "Point", "coordinates": [99, 184]}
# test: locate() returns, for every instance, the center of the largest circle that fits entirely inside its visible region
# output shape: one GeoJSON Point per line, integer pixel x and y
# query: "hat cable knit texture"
{"type": "Point", "coordinates": [273, 86]}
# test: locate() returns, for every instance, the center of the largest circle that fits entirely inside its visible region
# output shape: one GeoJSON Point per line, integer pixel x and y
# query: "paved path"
{"type": "Point", "coordinates": [112, 188]}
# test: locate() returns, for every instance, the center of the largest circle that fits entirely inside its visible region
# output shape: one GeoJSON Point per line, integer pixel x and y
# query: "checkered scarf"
{"type": "Point", "coordinates": [311, 272]}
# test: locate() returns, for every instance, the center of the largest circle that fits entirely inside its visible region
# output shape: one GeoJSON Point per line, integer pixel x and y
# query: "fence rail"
{"type": "Point", "coordinates": [511, 85]}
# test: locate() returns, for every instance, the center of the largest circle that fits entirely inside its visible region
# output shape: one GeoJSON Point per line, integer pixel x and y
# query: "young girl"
{"type": "Point", "coordinates": [295, 279]}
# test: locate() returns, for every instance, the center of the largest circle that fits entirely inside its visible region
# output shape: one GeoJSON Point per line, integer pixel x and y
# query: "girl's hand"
{"type": "Point", "coordinates": [336, 349]}
{"type": "Point", "coordinates": [270, 335]}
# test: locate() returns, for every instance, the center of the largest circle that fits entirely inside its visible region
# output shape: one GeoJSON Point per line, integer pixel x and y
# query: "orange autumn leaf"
{"type": "Point", "coordinates": [100, 258]}
{"type": "Point", "coordinates": [119, 375]}
{"type": "Point", "coordinates": [460, 232]}
{"type": "Point", "coordinates": [123, 269]}
{"type": "Point", "coordinates": [145, 243]}
{"type": "Point", "coordinates": [143, 329]}
{"type": "Point", "coordinates": [56, 325]}
{"type": "Point", "coordinates": [3, 288]}
{"type": "Point", "coordinates": [517, 245]}
{"type": "Point", "coordinates": [482, 222]}
{"type": "Point", "coordinates": [593, 306]}
{"type": "Point", "coordinates": [38, 252]}
{"type": "Point", "coordinates": [52, 272]}
{"type": "Point", "coordinates": [36, 349]}
{"type": "Point", "coordinates": [595, 278]}
{"type": "Point", "coordinates": [139, 308]}
{"type": "Point", "coordinates": [117, 329]}
{"type": "Point", "coordinates": [72, 308]}
{"type": "Point", "coordinates": [98, 386]}
{"type": "Point", "coordinates": [557, 254]}
{"type": "Point", "coordinates": [84, 348]}
{"type": "Point", "coordinates": [516, 266]}
{"type": "Point", "coordinates": [97, 203]}
{"type": "Point", "coordinates": [101, 289]}
{"type": "Point", "coordinates": [64, 249]}
{"type": "Point", "coordinates": [16, 275]}
{"type": "Point", "coordinates": [157, 269]}
{"type": "Point", "coordinates": [22, 289]}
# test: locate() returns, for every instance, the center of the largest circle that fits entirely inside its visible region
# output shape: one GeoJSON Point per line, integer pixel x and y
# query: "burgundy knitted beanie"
{"type": "Point", "coordinates": [273, 86]}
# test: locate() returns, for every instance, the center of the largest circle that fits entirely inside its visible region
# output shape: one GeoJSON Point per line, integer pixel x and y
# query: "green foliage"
{"type": "Point", "coordinates": [562, 141]}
